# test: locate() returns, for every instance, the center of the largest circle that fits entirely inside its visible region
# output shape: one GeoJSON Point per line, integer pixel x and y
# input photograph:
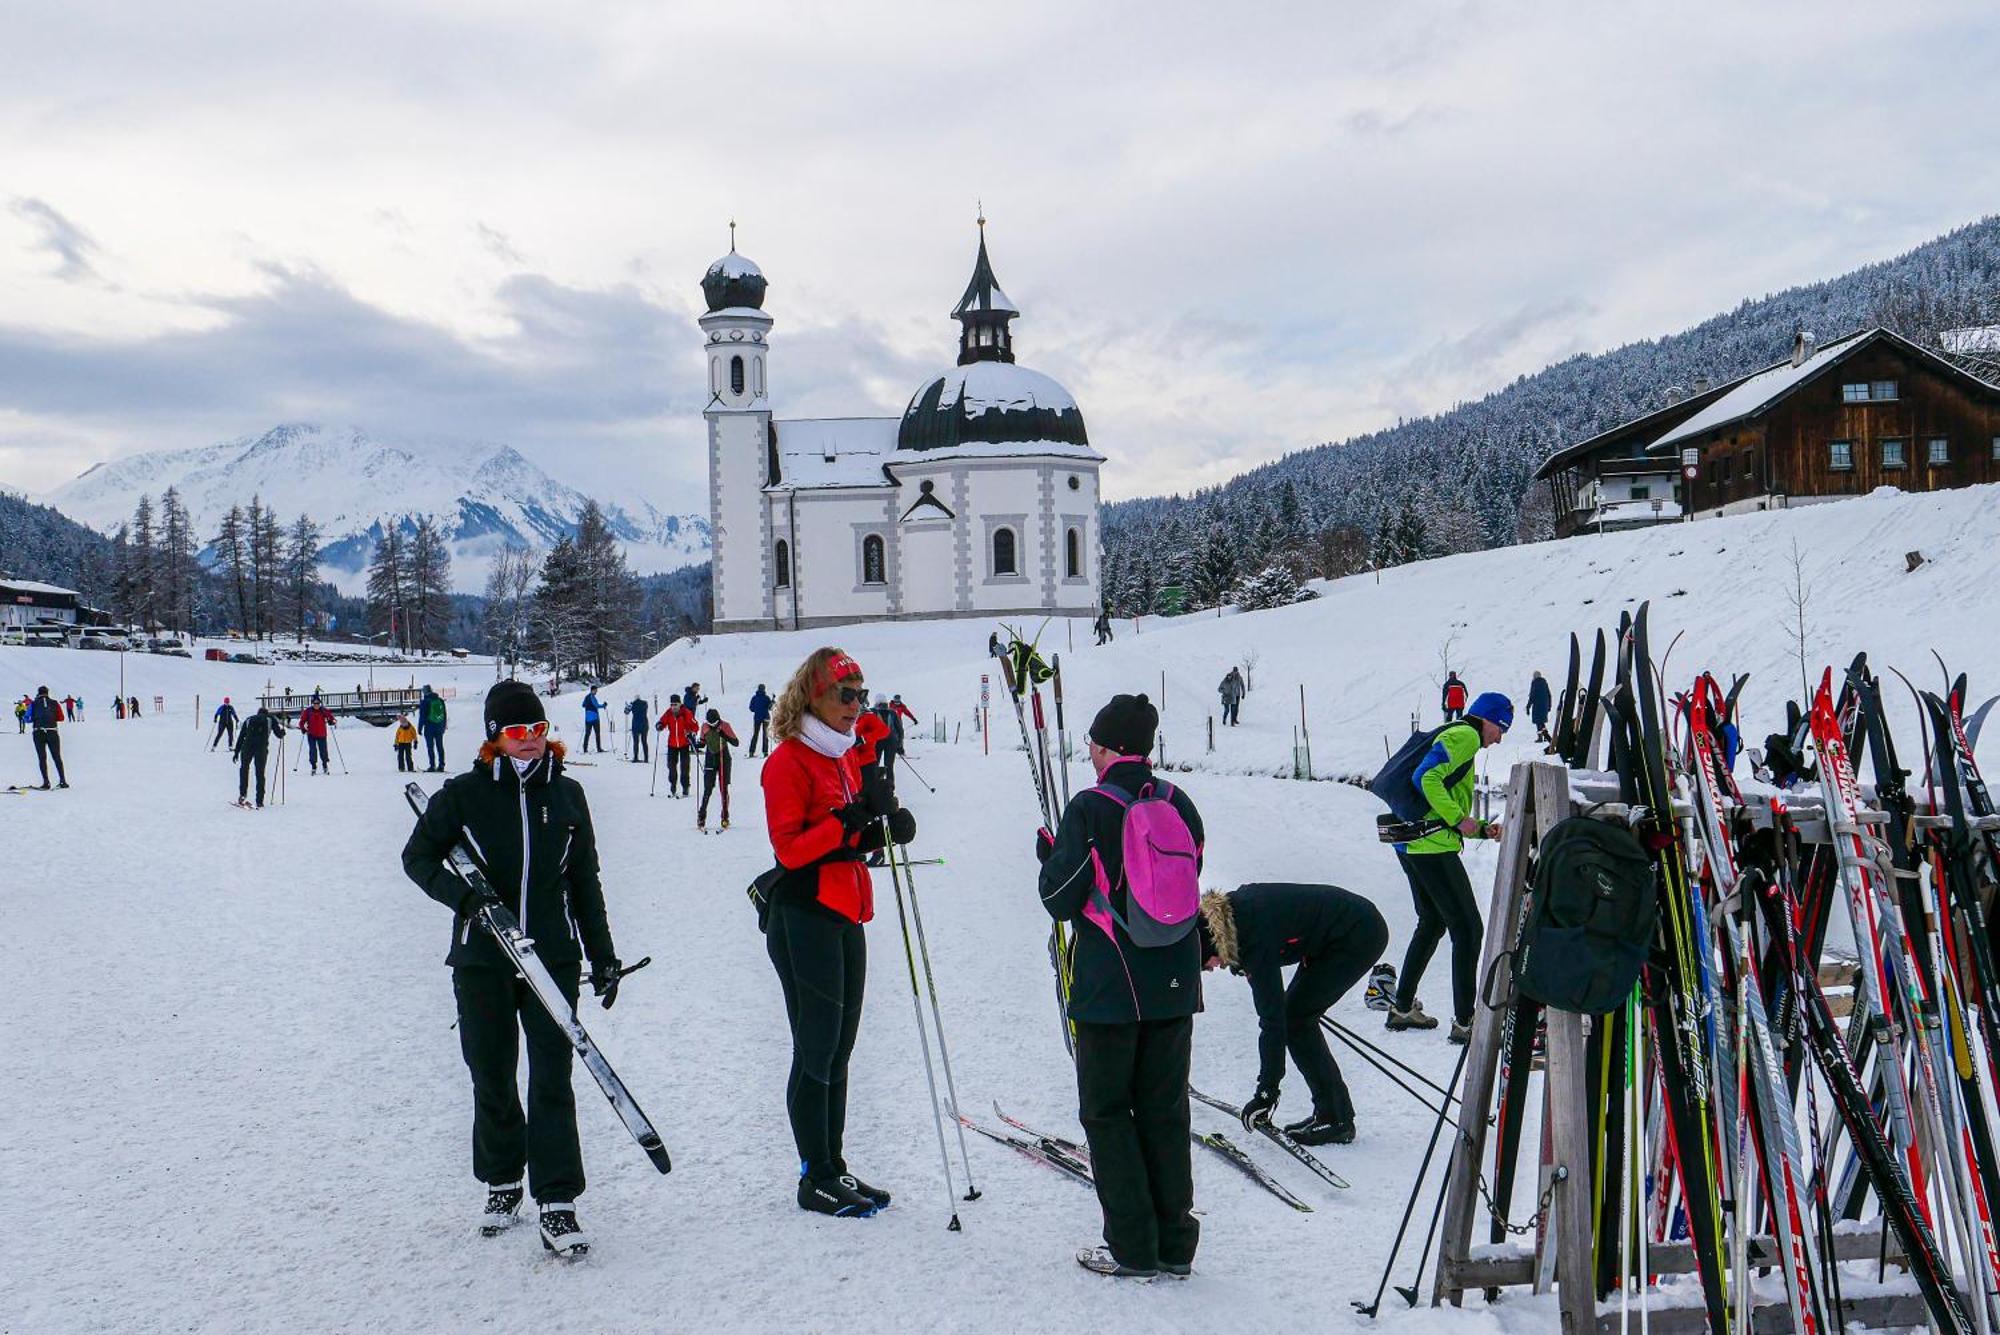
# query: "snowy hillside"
{"type": "Point", "coordinates": [1370, 650]}
{"type": "Point", "coordinates": [491, 497]}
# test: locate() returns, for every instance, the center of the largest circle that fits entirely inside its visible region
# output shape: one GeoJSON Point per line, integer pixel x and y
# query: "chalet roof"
{"type": "Point", "coordinates": [11, 586]}
{"type": "Point", "coordinates": [1760, 390]}
{"type": "Point", "coordinates": [1636, 433]}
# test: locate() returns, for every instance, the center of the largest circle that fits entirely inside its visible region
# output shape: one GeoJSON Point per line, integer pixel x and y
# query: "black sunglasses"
{"type": "Point", "coordinates": [854, 695]}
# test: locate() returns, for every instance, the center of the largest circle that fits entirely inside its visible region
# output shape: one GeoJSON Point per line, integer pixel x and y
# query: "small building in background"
{"type": "Point", "coordinates": [27, 603]}
{"type": "Point", "coordinates": [1866, 410]}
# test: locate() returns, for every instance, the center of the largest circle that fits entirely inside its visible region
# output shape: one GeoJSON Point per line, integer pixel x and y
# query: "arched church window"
{"type": "Point", "coordinates": [873, 567]}
{"type": "Point", "coordinates": [1072, 554]}
{"type": "Point", "coordinates": [1003, 552]}
{"type": "Point", "coordinates": [782, 559]}
{"type": "Point", "coordinates": [758, 367]}
{"type": "Point", "coordinates": [735, 375]}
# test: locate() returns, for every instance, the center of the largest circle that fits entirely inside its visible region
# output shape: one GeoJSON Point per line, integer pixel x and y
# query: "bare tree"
{"type": "Point", "coordinates": [1800, 597]}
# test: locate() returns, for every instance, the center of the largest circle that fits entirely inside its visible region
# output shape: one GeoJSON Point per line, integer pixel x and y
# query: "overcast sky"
{"type": "Point", "coordinates": [1233, 230]}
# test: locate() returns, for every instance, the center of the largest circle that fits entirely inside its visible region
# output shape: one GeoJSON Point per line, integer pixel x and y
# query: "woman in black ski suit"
{"type": "Point", "coordinates": [527, 825]}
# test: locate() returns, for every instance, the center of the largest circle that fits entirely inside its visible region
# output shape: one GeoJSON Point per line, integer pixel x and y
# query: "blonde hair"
{"type": "Point", "coordinates": [795, 701]}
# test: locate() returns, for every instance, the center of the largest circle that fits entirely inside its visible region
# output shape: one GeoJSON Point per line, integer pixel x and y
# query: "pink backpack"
{"type": "Point", "coordinates": [1162, 883]}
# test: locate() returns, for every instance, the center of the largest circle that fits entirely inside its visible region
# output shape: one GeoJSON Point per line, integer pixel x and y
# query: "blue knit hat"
{"type": "Point", "coordinates": [1495, 708]}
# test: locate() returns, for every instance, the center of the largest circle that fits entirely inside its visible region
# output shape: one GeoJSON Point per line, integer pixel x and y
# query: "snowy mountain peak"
{"type": "Point", "coordinates": [489, 496]}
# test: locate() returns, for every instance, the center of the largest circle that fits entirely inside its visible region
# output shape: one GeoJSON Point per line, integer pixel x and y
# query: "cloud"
{"type": "Point", "coordinates": [70, 244]}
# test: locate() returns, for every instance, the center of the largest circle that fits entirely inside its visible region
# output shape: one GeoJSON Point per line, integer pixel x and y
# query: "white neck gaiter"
{"type": "Point", "coordinates": [823, 738]}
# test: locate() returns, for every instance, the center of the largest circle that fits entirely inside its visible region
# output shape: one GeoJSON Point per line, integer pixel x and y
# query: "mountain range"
{"type": "Point", "coordinates": [354, 485]}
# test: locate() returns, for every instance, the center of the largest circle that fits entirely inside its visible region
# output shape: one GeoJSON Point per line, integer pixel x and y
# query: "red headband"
{"type": "Point", "coordinates": [838, 669]}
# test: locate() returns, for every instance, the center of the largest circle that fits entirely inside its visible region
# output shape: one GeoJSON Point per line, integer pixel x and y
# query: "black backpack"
{"type": "Point", "coordinates": [1393, 782]}
{"type": "Point", "coordinates": [1591, 914]}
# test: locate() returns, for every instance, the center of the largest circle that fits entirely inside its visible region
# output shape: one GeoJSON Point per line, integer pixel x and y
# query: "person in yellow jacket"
{"type": "Point", "coordinates": [1438, 883]}
{"type": "Point", "coordinates": [406, 744]}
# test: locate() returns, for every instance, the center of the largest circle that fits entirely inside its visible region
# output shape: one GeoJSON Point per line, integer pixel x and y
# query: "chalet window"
{"type": "Point", "coordinates": [1003, 552]}
{"type": "Point", "coordinates": [1869, 391]}
{"type": "Point", "coordinates": [782, 559]}
{"type": "Point", "coordinates": [1840, 456]}
{"type": "Point", "coordinates": [1749, 466]}
{"type": "Point", "coordinates": [1940, 451]}
{"type": "Point", "coordinates": [735, 375]}
{"type": "Point", "coordinates": [1641, 491]}
{"type": "Point", "coordinates": [1722, 472]}
{"type": "Point", "coordinates": [1996, 447]}
{"type": "Point", "coordinates": [1072, 554]}
{"type": "Point", "coordinates": [872, 566]}
{"type": "Point", "coordinates": [1892, 454]}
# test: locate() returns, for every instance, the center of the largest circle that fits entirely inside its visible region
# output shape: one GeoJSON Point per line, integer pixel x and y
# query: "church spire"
{"type": "Point", "coordinates": [983, 312]}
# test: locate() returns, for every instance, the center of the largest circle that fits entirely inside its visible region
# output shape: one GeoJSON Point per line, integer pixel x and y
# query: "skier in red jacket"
{"type": "Point", "coordinates": [314, 720]}
{"type": "Point", "coordinates": [680, 725]}
{"type": "Point", "coordinates": [823, 819]}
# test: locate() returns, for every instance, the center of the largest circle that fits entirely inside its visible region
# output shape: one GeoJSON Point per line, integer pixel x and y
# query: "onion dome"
{"type": "Point", "coordinates": [990, 403]}
{"type": "Point", "coordinates": [733, 281]}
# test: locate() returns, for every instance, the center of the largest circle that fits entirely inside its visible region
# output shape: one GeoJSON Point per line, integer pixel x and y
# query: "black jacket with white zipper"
{"type": "Point", "coordinates": [531, 834]}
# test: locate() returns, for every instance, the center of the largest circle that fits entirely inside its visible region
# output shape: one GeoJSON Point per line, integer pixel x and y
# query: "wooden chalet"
{"type": "Point", "coordinates": [1866, 410]}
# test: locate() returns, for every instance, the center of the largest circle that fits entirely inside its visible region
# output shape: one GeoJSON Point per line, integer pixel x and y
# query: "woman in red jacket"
{"type": "Point", "coordinates": [824, 818]}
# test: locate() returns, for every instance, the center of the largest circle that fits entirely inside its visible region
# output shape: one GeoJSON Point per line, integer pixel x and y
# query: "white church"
{"type": "Point", "coordinates": [979, 501]}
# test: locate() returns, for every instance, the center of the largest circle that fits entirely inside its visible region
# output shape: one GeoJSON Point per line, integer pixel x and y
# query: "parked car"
{"type": "Point", "coordinates": [245, 658]}
{"type": "Point", "coordinates": [102, 639]}
{"type": "Point", "coordinates": [172, 648]}
{"type": "Point", "coordinates": [216, 655]}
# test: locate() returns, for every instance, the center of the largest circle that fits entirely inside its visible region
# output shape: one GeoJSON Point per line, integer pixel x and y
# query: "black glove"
{"type": "Point", "coordinates": [855, 816]}
{"type": "Point", "coordinates": [902, 825]}
{"type": "Point", "coordinates": [476, 897]}
{"type": "Point", "coordinates": [878, 790]}
{"type": "Point", "coordinates": [604, 980]}
{"type": "Point", "coordinates": [1257, 1112]}
{"type": "Point", "coordinates": [1045, 844]}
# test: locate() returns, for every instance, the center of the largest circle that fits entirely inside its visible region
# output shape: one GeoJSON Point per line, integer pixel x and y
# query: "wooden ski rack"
{"type": "Point", "coordinates": [1539, 794]}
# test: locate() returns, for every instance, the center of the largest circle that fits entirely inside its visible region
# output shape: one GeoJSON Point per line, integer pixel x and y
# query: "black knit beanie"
{"type": "Point", "coordinates": [1126, 725]}
{"type": "Point", "coordinates": [512, 701]}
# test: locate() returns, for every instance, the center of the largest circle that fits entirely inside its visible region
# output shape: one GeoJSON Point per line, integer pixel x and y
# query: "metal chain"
{"type": "Point", "coordinates": [1560, 1174]}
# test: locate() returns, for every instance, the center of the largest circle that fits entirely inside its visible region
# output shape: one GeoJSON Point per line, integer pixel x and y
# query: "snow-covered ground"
{"type": "Point", "coordinates": [237, 1102]}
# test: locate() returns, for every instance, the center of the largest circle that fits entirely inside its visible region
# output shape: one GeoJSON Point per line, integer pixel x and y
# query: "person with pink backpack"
{"type": "Point", "coordinates": [1123, 868]}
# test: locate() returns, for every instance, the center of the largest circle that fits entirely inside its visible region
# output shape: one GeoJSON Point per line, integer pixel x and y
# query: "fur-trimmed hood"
{"type": "Point", "coordinates": [1218, 927]}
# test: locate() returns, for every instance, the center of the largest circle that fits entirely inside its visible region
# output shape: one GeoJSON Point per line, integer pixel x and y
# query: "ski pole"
{"type": "Point", "coordinates": [924, 1041]}
{"type": "Point", "coordinates": [899, 853]}
{"type": "Point", "coordinates": [1416, 1189]}
{"type": "Point", "coordinates": [1358, 1043]}
{"type": "Point", "coordinates": [1442, 1108]}
{"type": "Point", "coordinates": [1409, 1295]}
{"type": "Point", "coordinates": [905, 762]}
{"type": "Point", "coordinates": [654, 791]}
{"type": "Point", "coordinates": [336, 749]}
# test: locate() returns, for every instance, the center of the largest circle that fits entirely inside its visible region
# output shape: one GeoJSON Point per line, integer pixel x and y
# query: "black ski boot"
{"type": "Point", "coordinates": [1317, 1130]}
{"type": "Point", "coordinates": [837, 1195]}
{"type": "Point", "coordinates": [561, 1233]}
{"type": "Point", "coordinates": [1100, 1261]}
{"type": "Point", "coordinates": [876, 1194]}
{"type": "Point", "coordinates": [503, 1207]}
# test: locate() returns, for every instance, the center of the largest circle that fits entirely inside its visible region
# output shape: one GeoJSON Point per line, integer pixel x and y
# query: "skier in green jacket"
{"type": "Point", "coordinates": [1438, 883]}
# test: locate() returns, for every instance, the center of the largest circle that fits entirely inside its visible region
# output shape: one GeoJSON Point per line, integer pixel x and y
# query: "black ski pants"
{"type": "Point", "coordinates": [1229, 711]}
{"type": "Point", "coordinates": [406, 757]}
{"type": "Point", "coordinates": [1132, 1097]}
{"type": "Point", "coordinates": [225, 731]}
{"type": "Point", "coordinates": [710, 776]}
{"type": "Point", "coordinates": [48, 747]}
{"type": "Point", "coordinates": [822, 964]}
{"type": "Point", "coordinates": [1443, 896]}
{"type": "Point", "coordinates": [495, 1007]}
{"type": "Point", "coordinates": [1318, 982]}
{"type": "Point", "coordinates": [680, 771]}
{"type": "Point", "coordinates": [244, 760]}
{"type": "Point", "coordinates": [316, 754]}
{"type": "Point", "coordinates": [434, 748]}
{"type": "Point", "coordinates": [592, 729]}
{"type": "Point", "coordinates": [639, 740]}
{"type": "Point", "coordinates": [760, 731]}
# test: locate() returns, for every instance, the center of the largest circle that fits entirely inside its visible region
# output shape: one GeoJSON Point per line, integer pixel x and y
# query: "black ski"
{"type": "Point", "coordinates": [1278, 1136]}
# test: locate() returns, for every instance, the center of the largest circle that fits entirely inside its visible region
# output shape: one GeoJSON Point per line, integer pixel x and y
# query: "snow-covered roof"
{"type": "Point", "coordinates": [1750, 394]}
{"type": "Point", "coordinates": [34, 586]}
{"type": "Point", "coordinates": [1010, 449]}
{"type": "Point", "coordinates": [820, 452]}
{"type": "Point", "coordinates": [983, 387]}
{"type": "Point", "coordinates": [733, 265]}
{"type": "Point", "coordinates": [991, 402]}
